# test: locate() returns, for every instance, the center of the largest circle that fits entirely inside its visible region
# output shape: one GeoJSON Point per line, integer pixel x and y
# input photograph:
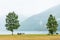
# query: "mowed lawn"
{"type": "Point", "coordinates": [30, 37]}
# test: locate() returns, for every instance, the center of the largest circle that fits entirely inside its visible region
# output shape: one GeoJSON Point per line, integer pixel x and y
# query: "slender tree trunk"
{"type": "Point", "coordinates": [12, 32]}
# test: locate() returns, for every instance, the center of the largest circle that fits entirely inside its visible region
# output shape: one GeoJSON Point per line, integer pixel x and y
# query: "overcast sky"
{"type": "Point", "coordinates": [26, 8]}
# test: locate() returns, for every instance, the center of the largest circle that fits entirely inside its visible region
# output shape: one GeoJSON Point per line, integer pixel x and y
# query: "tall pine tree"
{"type": "Point", "coordinates": [52, 24]}
{"type": "Point", "coordinates": [12, 22]}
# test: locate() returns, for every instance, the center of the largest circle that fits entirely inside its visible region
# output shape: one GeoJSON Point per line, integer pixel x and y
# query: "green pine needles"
{"type": "Point", "coordinates": [52, 24]}
{"type": "Point", "coordinates": [12, 22]}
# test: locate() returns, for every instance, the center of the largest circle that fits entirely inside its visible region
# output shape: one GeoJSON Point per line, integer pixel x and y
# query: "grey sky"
{"type": "Point", "coordinates": [26, 8]}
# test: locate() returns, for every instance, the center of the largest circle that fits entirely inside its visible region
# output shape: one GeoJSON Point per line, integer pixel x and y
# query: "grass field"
{"type": "Point", "coordinates": [30, 37]}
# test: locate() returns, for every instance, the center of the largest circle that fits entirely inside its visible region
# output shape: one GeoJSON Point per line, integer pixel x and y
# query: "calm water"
{"type": "Point", "coordinates": [28, 32]}
{"type": "Point", "coordinates": [35, 32]}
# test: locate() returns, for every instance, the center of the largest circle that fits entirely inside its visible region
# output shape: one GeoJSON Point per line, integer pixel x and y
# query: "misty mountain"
{"type": "Point", "coordinates": [38, 22]}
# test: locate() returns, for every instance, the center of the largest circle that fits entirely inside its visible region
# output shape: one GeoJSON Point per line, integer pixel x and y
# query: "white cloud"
{"type": "Point", "coordinates": [41, 22]}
